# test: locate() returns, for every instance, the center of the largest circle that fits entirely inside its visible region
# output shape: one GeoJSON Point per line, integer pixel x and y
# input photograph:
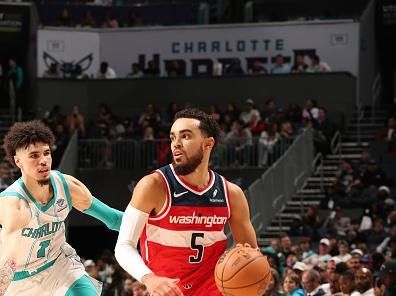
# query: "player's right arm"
{"type": "Point", "coordinates": [148, 197]}
{"type": "Point", "coordinates": [13, 217]}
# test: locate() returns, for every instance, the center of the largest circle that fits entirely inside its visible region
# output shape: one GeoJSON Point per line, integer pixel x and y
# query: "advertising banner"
{"type": "Point", "coordinates": [198, 48]}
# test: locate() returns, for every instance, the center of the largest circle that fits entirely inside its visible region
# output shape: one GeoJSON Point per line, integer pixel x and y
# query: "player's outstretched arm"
{"type": "Point", "coordinates": [13, 219]}
{"type": "Point", "coordinates": [148, 196]}
{"type": "Point", "coordinates": [83, 201]}
{"type": "Point", "coordinates": [241, 227]}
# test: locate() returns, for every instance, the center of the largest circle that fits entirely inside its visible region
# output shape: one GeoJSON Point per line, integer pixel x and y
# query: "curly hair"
{"type": "Point", "coordinates": [22, 134]}
{"type": "Point", "coordinates": [207, 124]}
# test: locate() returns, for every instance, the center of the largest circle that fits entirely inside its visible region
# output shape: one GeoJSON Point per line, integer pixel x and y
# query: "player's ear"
{"type": "Point", "coordinates": [17, 161]}
{"type": "Point", "coordinates": [209, 143]}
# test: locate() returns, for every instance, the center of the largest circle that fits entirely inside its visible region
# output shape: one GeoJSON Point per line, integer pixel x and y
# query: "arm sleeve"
{"type": "Point", "coordinates": [110, 217]}
{"type": "Point", "coordinates": [126, 253]}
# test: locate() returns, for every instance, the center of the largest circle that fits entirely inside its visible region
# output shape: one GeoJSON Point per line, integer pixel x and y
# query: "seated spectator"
{"type": "Point", "coordinates": [128, 287]}
{"type": "Point", "coordinates": [52, 72]}
{"type": "Point", "coordinates": [106, 72]}
{"type": "Point", "coordinates": [214, 112]}
{"type": "Point", "coordinates": [134, 19]}
{"type": "Point", "coordinates": [299, 66]}
{"type": "Point", "coordinates": [332, 198]}
{"type": "Point", "coordinates": [364, 282]}
{"type": "Point", "coordinates": [61, 141]}
{"type": "Point", "coordinates": [266, 145]}
{"type": "Point", "coordinates": [246, 114]}
{"type": "Point", "coordinates": [234, 68]}
{"type": "Point", "coordinates": [308, 253]}
{"type": "Point", "coordinates": [292, 285]}
{"type": "Point", "coordinates": [373, 175]}
{"type": "Point", "coordinates": [323, 256]}
{"type": "Point", "coordinates": [5, 176]}
{"type": "Point", "coordinates": [239, 139]}
{"type": "Point", "coordinates": [256, 125]}
{"type": "Point", "coordinates": [76, 121]}
{"type": "Point", "coordinates": [312, 222]}
{"type": "Point", "coordinates": [151, 116]}
{"type": "Point", "coordinates": [269, 112]}
{"type": "Point", "coordinates": [317, 66]}
{"type": "Point", "coordinates": [286, 130]}
{"type": "Point", "coordinates": [91, 269]}
{"type": "Point", "coordinates": [311, 111]}
{"type": "Point", "coordinates": [343, 251]}
{"type": "Point", "coordinates": [78, 73]}
{"type": "Point", "coordinates": [139, 289]}
{"type": "Point", "coordinates": [88, 21]}
{"type": "Point", "coordinates": [136, 71]}
{"type": "Point", "coordinates": [311, 283]}
{"type": "Point", "coordinates": [152, 70]}
{"type": "Point", "coordinates": [376, 235]}
{"type": "Point", "coordinates": [339, 223]}
{"type": "Point", "coordinates": [347, 283]}
{"type": "Point", "coordinates": [258, 68]}
{"type": "Point", "coordinates": [175, 69]}
{"type": "Point", "coordinates": [65, 19]}
{"type": "Point", "coordinates": [280, 67]}
{"type": "Point", "coordinates": [110, 22]}
{"type": "Point", "coordinates": [334, 279]}
{"type": "Point", "coordinates": [273, 288]}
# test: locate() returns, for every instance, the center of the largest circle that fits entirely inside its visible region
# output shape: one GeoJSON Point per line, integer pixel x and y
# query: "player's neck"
{"type": "Point", "coordinates": [41, 193]}
{"type": "Point", "coordinates": [199, 178]}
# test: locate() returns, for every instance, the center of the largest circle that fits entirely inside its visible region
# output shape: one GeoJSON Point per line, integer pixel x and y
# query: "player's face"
{"type": "Point", "coordinates": [35, 162]}
{"type": "Point", "coordinates": [187, 145]}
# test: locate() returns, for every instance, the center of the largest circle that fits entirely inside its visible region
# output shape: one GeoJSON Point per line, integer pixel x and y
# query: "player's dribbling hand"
{"type": "Point", "coordinates": [247, 246]}
{"type": "Point", "coordinates": [161, 286]}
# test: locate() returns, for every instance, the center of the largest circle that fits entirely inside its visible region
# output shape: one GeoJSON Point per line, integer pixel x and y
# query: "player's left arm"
{"type": "Point", "coordinates": [241, 227]}
{"type": "Point", "coordinates": [83, 201]}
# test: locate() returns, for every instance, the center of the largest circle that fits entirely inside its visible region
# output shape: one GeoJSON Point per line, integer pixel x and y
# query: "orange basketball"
{"type": "Point", "coordinates": [242, 271]}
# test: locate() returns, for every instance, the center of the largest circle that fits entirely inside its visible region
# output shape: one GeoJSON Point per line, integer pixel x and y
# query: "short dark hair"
{"type": "Point", "coordinates": [22, 134]}
{"type": "Point", "coordinates": [207, 124]}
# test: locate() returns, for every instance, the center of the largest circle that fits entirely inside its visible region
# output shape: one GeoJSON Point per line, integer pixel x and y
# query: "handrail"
{"type": "Point", "coordinates": [360, 116]}
{"type": "Point", "coordinates": [317, 163]}
{"type": "Point", "coordinates": [376, 89]}
{"type": "Point", "coordinates": [335, 143]}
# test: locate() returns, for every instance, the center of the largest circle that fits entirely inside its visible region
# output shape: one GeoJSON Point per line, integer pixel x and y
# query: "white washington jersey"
{"type": "Point", "coordinates": [42, 240]}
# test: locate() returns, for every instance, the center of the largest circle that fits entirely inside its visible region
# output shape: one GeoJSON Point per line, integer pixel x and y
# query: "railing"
{"type": "Point", "coordinates": [376, 90]}
{"type": "Point", "coordinates": [269, 194]}
{"type": "Point", "coordinates": [152, 154]}
{"type": "Point", "coordinates": [336, 144]}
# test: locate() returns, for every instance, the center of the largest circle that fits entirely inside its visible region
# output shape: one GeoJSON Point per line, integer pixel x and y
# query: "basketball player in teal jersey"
{"type": "Point", "coordinates": [34, 256]}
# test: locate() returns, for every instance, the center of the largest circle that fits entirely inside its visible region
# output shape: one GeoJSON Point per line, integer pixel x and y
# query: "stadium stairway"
{"type": "Point", "coordinates": [349, 144]}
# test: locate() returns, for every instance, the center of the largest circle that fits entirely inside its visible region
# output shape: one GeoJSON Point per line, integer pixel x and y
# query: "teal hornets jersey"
{"type": "Point", "coordinates": [42, 240]}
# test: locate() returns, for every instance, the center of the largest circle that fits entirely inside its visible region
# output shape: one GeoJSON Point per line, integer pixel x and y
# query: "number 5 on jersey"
{"type": "Point", "coordinates": [197, 247]}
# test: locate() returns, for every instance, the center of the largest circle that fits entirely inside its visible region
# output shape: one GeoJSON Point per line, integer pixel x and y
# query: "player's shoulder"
{"type": "Point", "coordinates": [153, 180]}
{"type": "Point", "coordinates": [14, 211]}
{"type": "Point", "coordinates": [233, 189]}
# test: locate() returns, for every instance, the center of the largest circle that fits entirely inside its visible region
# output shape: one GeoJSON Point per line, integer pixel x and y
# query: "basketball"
{"type": "Point", "coordinates": [242, 271]}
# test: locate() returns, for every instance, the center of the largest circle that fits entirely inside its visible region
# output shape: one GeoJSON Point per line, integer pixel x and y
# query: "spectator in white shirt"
{"type": "Point", "coordinates": [105, 72]}
{"type": "Point", "coordinates": [317, 66]}
{"type": "Point", "coordinates": [343, 250]}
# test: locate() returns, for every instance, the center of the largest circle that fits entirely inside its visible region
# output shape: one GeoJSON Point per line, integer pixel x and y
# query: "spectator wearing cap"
{"type": "Point", "coordinates": [248, 111]}
{"type": "Point", "coordinates": [388, 274]}
{"type": "Point", "coordinates": [373, 175]}
{"type": "Point", "coordinates": [323, 256]}
{"type": "Point", "coordinates": [353, 263]}
{"type": "Point", "coordinates": [343, 251]}
{"type": "Point", "coordinates": [311, 283]}
{"type": "Point", "coordinates": [91, 269]}
{"type": "Point", "coordinates": [357, 253]}
{"type": "Point", "coordinates": [299, 267]}
{"type": "Point", "coordinates": [364, 282]}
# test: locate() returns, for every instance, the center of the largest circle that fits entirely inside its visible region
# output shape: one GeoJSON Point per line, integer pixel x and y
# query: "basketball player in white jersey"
{"type": "Point", "coordinates": [34, 256]}
{"type": "Point", "coordinates": [179, 212]}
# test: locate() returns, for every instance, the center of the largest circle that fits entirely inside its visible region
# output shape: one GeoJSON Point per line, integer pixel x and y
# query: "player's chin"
{"type": "Point", "coordinates": [43, 181]}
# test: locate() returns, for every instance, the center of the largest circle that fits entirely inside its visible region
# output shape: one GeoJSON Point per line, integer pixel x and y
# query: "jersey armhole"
{"type": "Point", "coordinates": [66, 189]}
{"type": "Point", "coordinates": [165, 208]}
{"type": "Point", "coordinates": [227, 194]}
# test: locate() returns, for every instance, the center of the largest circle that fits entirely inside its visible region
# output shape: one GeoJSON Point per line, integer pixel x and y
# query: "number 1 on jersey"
{"type": "Point", "coordinates": [198, 247]}
{"type": "Point", "coordinates": [43, 245]}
